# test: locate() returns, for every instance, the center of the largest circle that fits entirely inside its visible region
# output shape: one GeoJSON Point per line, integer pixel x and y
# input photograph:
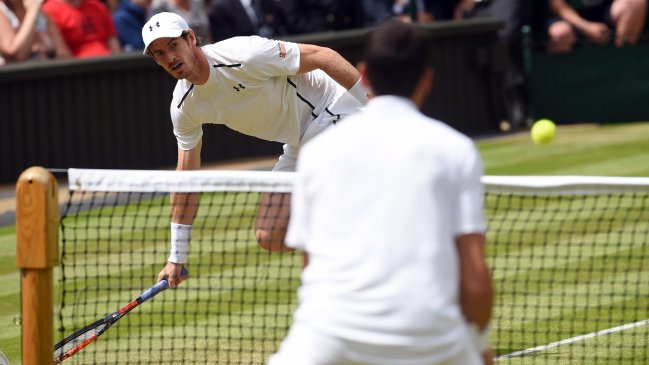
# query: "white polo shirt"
{"type": "Point", "coordinates": [252, 88]}
{"type": "Point", "coordinates": [378, 216]}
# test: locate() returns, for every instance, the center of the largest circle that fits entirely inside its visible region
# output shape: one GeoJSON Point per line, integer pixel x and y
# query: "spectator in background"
{"type": "Point", "coordinates": [440, 9]}
{"type": "Point", "coordinates": [229, 18]}
{"type": "Point", "coordinates": [312, 16]}
{"type": "Point", "coordinates": [27, 33]}
{"type": "Point", "coordinates": [129, 18]}
{"type": "Point", "coordinates": [193, 11]}
{"type": "Point", "coordinates": [514, 14]}
{"type": "Point", "coordinates": [424, 11]}
{"type": "Point", "coordinates": [377, 11]}
{"type": "Point", "coordinates": [86, 26]}
{"type": "Point", "coordinates": [599, 21]}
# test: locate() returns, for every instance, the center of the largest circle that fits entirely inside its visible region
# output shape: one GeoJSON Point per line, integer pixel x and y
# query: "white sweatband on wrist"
{"type": "Point", "coordinates": [481, 338]}
{"type": "Point", "coordinates": [360, 92]}
{"type": "Point", "coordinates": [181, 234]}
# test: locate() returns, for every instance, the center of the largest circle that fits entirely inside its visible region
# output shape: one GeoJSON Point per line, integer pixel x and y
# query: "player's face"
{"type": "Point", "coordinates": [175, 55]}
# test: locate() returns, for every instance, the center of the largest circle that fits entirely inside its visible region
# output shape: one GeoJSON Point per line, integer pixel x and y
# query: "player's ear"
{"type": "Point", "coordinates": [192, 37]}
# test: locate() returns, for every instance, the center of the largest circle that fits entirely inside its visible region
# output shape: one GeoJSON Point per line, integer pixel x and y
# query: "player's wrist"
{"type": "Point", "coordinates": [360, 92]}
{"type": "Point", "coordinates": [181, 235]}
{"type": "Point", "coordinates": [480, 337]}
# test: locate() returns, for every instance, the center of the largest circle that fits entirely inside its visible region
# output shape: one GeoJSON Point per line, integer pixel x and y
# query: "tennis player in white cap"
{"type": "Point", "coordinates": [271, 89]}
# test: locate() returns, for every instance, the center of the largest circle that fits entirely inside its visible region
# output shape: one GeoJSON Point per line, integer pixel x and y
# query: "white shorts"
{"type": "Point", "coordinates": [346, 104]}
{"type": "Point", "coordinates": [304, 346]}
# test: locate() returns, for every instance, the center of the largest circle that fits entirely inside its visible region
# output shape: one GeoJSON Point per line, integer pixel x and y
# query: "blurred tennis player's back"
{"type": "Point", "coordinates": [392, 222]}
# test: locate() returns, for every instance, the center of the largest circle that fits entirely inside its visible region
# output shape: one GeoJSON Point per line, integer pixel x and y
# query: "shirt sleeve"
{"type": "Point", "coordinates": [263, 58]}
{"type": "Point", "coordinates": [188, 134]}
{"type": "Point", "coordinates": [470, 213]}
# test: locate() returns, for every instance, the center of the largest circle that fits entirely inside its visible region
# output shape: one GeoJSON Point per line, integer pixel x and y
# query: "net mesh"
{"type": "Point", "coordinates": [569, 260]}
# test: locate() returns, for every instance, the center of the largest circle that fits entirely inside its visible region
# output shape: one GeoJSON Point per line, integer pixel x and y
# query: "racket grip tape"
{"type": "Point", "coordinates": [160, 286]}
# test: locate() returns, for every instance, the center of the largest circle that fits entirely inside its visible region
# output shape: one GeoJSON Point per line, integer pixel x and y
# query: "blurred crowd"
{"type": "Point", "coordinates": [47, 29]}
{"type": "Point", "coordinates": [52, 29]}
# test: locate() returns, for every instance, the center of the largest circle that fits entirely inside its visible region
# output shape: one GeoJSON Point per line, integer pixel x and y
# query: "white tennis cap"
{"type": "Point", "coordinates": [163, 25]}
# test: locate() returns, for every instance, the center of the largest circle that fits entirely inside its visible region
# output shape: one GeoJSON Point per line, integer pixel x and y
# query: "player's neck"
{"type": "Point", "coordinates": [201, 73]}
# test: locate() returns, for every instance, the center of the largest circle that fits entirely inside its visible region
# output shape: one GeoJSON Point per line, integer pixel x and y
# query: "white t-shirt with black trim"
{"type": "Point", "coordinates": [252, 88]}
{"type": "Point", "coordinates": [378, 216]}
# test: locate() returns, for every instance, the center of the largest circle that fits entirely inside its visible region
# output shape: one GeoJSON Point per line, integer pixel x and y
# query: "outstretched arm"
{"type": "Point", "coordinates": [183, 211]}
{"type": "Point", "coordinates": [183, 205]}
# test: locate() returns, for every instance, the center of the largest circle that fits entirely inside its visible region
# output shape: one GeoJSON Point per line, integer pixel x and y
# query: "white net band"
{"type": "Point", "coordinates": [266, 181]}
{"type": "Point", "coordinates": [160, 181]}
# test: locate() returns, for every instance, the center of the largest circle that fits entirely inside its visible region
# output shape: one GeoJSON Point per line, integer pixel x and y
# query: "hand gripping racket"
{"type": "Point", "coordinates": [83, 337]}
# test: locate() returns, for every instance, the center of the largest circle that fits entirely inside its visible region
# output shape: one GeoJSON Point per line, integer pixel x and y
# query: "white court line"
{"type": "Point", "coordinates": [573, 339]}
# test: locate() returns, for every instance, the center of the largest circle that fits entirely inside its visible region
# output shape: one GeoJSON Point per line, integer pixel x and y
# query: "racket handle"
{"type": "Point", "coordinates": [159, 286]}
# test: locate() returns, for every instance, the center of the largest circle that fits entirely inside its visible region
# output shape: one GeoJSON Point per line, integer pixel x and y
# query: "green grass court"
{"type": "Point", "coordinates": [576, 286]}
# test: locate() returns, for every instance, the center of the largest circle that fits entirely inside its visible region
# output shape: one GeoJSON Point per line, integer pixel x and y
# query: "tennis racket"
{"type": "Point", "coordinates": [83, 337]}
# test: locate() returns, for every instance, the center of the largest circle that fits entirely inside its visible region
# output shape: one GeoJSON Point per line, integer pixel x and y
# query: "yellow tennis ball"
{"type": "Point", "coordinates": [543, 131]}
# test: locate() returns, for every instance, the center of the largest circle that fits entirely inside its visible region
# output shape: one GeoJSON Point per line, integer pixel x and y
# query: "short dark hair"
{"type": "Point", "coordinates": [396, 56]}
{"type": "Point", "coordinates": [185, 34]}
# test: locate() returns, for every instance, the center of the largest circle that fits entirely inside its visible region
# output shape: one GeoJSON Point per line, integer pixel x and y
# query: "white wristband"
{"type": "Point", "coordinates": [181, 234]}
{"type": "Point", "coordinates": [481, 338]}
{"type": "Point", "coordinates": [360, 92]}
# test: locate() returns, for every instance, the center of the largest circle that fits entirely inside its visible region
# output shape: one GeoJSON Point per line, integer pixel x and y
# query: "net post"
{"type": "Point", "coordinates": [37, 225]}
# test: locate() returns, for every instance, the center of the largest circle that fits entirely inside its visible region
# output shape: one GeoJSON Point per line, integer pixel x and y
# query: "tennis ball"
{"type": "Point", "coordinates": [543, 131]}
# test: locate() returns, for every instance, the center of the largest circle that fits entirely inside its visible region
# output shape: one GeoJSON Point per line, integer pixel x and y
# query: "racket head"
{"type": "Point", "coordinates": [3, 359]}
{"type": "Point", "coordinates": [78, 340]}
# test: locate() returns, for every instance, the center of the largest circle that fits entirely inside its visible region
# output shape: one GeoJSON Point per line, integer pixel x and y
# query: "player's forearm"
{"type": "Point", "coordinates": [185, 205]}
{"type": "Point", "coordinates": [476, 292]}
{"type": "Point", "coordinates": [184, 208]}
{"type": "Point", "coordinates": [476, 302]}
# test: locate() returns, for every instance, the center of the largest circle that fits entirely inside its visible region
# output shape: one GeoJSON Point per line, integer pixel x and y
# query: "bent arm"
{"type": "Point", "coordinates": [476, 292]}
{"type": "Point", "coordinates": [314, 57]}
{"type": "Point", "coordinates": [17, 45]}
{"type": "Point", "coordinates": [183, 205]}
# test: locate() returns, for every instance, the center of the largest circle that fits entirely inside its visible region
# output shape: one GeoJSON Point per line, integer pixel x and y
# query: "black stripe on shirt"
{"type": "Point", "coordinates": [333, 115]}
{"type": "Point", "coordinates": [217, 65]}
{"type": "Point", "coordinates": [303, 98]}
{"type": "Point", "coordinates": [185, 96]}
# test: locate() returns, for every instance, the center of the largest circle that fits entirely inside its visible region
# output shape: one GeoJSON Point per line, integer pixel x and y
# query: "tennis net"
{"type": "Point", "coordinates": [569, 259]}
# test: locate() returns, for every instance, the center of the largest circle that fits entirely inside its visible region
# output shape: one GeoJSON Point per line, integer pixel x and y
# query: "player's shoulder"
{"type": "Point", "coordinates": [245, 44]}
{"type": "Point", "coordinates": [250, 47]}
{"type": "Point", "coordinates": [182, 86]}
